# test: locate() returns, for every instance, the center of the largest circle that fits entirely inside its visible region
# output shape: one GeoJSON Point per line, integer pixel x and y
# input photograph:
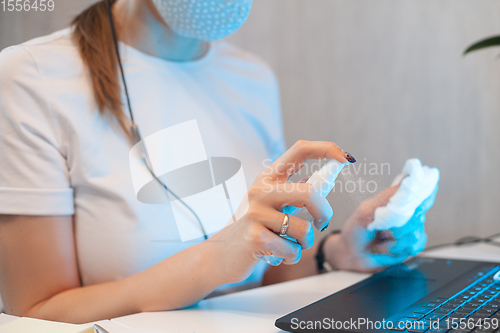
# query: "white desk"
{"type": "Point", "coordinates": [256, 310]}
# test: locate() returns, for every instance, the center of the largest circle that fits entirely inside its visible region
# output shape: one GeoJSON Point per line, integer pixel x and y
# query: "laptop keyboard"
{"type": "Point", "coordinates": [475, 308]}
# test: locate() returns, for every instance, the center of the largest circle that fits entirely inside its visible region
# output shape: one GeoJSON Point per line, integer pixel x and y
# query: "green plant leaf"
{"type": "Point", "coordinates": [488, 42]}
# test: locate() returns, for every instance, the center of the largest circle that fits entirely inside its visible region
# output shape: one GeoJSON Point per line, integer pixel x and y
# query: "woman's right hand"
{"type": "Point", "coordinates": [241, 245]}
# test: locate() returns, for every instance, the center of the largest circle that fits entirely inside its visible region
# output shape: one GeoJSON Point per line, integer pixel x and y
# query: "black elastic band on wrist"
{"type": "Point", "coordinates": [321, 264]}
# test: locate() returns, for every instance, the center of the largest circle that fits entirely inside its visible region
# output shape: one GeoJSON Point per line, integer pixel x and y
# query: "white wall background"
{"type": "Point", "coordinates": [385, 80]}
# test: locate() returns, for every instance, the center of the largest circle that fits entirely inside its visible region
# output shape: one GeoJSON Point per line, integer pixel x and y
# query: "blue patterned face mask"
{"type": "Point", "coordinates": [206, 20]}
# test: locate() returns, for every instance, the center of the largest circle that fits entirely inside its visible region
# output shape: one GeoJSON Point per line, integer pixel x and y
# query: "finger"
{"type": "Point", "coordinates": [298, 228]}
{"type": "Point", "coordinates": [420, 245]}
{"type": "Point", "coordinates": [409, 245]}
{"type": "Point", "coordinates": [379, 246]}
{"type": "Point", "coordinates": [379, 241]}
{"type": "Point", "coordinates": [382, 198]}
{"type": "Point", "coordinates": [295, 157]}
{"type": "Point", "coordinates": [282, 248]}
{"type": "Point", "coordinates": [300, 195]}
{"type": "Point", "coordinates": [304, 180]}
{"type": "Point", "coordinates": [368, 207]}
{"type": "Point", "coordinates": [404, 240]}
{"type": "Point", "coordinates": [401, 246]}
{"type": "Point", "coordinates": [427, 203]}
{"type": "Point", "coordinates": [417, 219]}
{"type": "Point", "coordinates": [361, 238]}
{"type": "Point", "coordinates": [413, 224]}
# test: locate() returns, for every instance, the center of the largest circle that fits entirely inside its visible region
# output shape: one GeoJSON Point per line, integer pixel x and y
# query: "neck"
{"type": "Point", "coordinates": [139, 25]}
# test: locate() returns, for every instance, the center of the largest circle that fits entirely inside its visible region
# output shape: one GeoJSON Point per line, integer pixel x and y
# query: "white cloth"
{"type": "Point", "coordinates": [58, 156]}
{"type": "Point", "coordinates": [417, 184]}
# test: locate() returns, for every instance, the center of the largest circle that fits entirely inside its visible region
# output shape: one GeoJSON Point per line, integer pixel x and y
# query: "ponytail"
{"type": "Point", "coordinates": [92, 35]}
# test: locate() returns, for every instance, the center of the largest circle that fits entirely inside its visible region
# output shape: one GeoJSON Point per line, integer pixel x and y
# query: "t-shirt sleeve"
{"type": "Point", "coordinates": [34, 177]}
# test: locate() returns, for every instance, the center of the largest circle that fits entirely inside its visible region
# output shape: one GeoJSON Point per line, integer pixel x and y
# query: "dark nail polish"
{"type": "Point", "coordinates": [382, 236]}
{"type": "Point", "coordinates": [324, 228]}
{"type": "Point", "coordinates": [350, 158]}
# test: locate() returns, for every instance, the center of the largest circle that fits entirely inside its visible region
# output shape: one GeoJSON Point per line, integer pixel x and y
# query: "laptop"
{"type": "Point", "coordinates": [423, 295]}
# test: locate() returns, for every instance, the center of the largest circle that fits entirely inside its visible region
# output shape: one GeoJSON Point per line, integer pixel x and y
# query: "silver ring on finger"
{"type": "Point", "coordinates": [284, 225]}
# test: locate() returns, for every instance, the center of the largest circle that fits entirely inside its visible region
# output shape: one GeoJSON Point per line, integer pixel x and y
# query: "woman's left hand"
{"type": "Point", "coordinates": [359, 249]}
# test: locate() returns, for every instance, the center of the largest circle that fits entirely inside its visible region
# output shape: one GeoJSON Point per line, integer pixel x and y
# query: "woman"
{"type": "Point", "coordinates": [72, 231]}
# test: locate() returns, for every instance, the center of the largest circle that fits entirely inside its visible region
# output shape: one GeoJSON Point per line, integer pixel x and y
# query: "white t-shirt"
{"type": "Point", "coordinates": [59, 156]}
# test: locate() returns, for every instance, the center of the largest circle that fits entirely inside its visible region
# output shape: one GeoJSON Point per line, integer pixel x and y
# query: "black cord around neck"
{"type": "Point", "coordinates": [134, 129]}
{"type": "Point", "coordinates": [117, 51]}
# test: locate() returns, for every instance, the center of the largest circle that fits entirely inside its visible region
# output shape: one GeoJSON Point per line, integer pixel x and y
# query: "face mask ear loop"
{"type": "Point", "coordinates": [134, 129]}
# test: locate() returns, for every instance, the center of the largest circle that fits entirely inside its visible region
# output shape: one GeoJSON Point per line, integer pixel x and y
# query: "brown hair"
{"type": "Point", "coordinates": [93, 37]}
